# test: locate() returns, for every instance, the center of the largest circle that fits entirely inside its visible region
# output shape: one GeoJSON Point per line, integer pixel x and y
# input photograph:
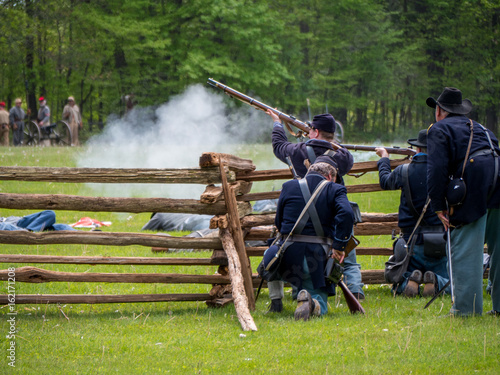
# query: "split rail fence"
{"type": "Point", "coordinates": [227, 197]}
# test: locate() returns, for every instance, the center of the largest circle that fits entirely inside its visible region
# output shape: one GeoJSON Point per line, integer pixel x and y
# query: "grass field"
{"type": "Point", "coordinates": [396, 336]}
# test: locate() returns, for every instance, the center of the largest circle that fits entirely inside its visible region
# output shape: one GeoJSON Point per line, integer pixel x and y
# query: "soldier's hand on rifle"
{"type": "Point", "coordinates": [382, 152]}
{"type": "Point", "coordinates": [443, 216]}
{"type": "Point", "coordinates": [273, 115]}
{"type": "Point", "coordinates": [339, 255]}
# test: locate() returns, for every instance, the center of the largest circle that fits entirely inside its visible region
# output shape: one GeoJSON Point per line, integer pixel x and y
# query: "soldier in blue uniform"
{"type": "Point", "coordinates": [412, 178]}
{"type": "Point", "coordinates": [304, 261]}
{"type": "Point", "coordinates": [477, 219]}
{"type": "Point", "coordinates": [303, 154]}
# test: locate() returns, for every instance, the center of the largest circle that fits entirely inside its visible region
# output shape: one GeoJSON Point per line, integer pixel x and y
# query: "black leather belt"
{"type": "Point", "coordinates": [424, 229]}
{"type": "Point", "coordinates": [311, 239]}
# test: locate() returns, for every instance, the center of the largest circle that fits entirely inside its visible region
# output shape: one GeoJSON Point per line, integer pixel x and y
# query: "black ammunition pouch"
{"type": "Point", "coordinates": [456, 192]}
{"type": "Point", "coordinates": [434, 241]}
{"type": "Point", "coordinates": [356, 211]}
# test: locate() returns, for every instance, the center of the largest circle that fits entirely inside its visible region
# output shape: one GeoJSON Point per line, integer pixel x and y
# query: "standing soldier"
{"type": "Point", "coordinates": [17, 117]}
{"type": "Point", "coordinates": [424, 267]}
{"type": "Point", "coordinates": [4, 125]}
{"type": "Point", "coordinates": [71, 113]}
{"type": "Point", "coordinates": [463, 149]}
{"type": "Point", "coordinates": [43, 117]}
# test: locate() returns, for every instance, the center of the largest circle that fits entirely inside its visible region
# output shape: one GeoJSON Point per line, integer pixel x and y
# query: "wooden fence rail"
{"type": "Point", "coordinates": [108, 239]}
{"type": "Point", "coordinates": [229, 204]}
{"type": "Point", "coordinates": [37, 275]}
{"type": "Point", "coordinates": [104, 204]}
{"type": "Point", "coordinates": [210, 175]}
{"type": "Point", "coordinates": [143, 261]}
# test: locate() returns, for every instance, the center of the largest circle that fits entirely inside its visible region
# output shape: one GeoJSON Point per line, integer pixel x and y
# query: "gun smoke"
{"type": "Point", "coordinates": [174, 135]}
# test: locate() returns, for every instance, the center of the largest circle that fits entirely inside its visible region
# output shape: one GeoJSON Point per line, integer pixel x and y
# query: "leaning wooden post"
{"type": "Point", "coordinates": [237, 285]}
{"type": "Point", "coordinates": [235, 228]}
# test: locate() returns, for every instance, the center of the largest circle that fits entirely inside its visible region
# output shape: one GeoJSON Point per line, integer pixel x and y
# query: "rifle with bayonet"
{"type": "Point", "coordinates": [303, 127]}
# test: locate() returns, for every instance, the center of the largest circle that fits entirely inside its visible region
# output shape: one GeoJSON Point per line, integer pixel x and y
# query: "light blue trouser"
{"type": "Point", "coordinates": [352, 273]}
{"type": "Point", "coordinates": [276, 289]}
{"type": "Point", "coordinates": [419, 261]}
{"type": "Point", "coordinates": [492, 239]}
{"type": "Point", "coordinates": [467, 244]}
{"type": "Point", "coordinates": [319, 294]}
{"type": "Point", "coordinates": [38, 222]}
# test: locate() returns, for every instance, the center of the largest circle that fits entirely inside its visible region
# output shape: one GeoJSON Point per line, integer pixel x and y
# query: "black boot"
{"type": "Point", "coordinates": [276, 306]}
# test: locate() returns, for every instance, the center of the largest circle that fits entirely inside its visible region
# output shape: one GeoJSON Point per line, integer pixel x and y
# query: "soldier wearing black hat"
{"type": "Point", "coordinates": [303, 154]}
{"type": "Point", "coordinates": [459, 147]}
{"type": "Point", "coordinates": [412, 180]}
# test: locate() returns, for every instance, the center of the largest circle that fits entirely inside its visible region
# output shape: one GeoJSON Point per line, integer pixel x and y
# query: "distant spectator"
{"type": "Point", "coordinates": [129, 102]}
{"type": "Point", "coordinates": [71, 113]}
{"type": "Point", "coordinates": [43, 117]}
{"type": "Point", "coordinates": [17, 117]}
{"type": "Point", "coordinates": [4, 125]}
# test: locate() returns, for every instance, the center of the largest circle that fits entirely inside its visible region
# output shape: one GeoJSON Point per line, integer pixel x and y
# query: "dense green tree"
{"type": "Point", "coordinates": [371, 63]}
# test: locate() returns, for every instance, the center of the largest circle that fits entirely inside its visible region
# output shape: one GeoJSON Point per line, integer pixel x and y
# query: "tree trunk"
{"type": "Point", "coordinates": [30, 82]}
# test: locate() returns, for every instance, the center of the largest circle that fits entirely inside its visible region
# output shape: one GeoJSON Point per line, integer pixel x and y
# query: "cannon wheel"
{"type": "Point", "coordinates": [62, 134]}
{"type": "Point", "coordinates": [32, 134]}
{"type": "Point", "coordinates": [339, 132]}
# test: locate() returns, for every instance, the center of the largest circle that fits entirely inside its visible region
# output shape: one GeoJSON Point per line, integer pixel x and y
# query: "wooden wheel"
{"type": "Point", "coordinates": [61, 134]}
{"type": "Point", "coordinates": [339, 132]}
{"type": "Point", "coordinates": [32, 134]}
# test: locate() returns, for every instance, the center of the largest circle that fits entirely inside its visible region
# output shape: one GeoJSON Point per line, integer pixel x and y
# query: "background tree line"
{"type": "Point", "coordinates": [371, 63]}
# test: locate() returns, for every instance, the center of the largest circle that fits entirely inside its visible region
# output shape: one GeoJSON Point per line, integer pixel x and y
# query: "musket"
{"type": "Point", "coordinates": [352, 302]}
{"type": "Point", "coordinates": [390, 150]}
{"type": "Point", "coordinates": [290, 120]}
{"type": "Point", "coordinates": [287, 119]}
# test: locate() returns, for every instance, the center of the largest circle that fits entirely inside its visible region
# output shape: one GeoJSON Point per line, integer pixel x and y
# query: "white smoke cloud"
{"type": "Point", "coordinates": [174, 135]}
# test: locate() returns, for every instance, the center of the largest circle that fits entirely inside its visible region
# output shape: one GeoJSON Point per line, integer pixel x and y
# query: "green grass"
{"type": "Point", "coordinates": [396, 336]}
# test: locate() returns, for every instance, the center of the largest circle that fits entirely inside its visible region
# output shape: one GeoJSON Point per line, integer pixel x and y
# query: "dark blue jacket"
{"type": "Point", "coordinates": [335, 215]}
{"type": "Point", "coordinates": [417, 175]}
{"type": "Point", "coordinates": [447, 142]}
{"type": "Point", "coordinates": [298, 152]}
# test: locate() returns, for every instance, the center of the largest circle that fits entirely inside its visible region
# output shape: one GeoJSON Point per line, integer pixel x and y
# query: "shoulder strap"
{"type": "Point", "coordinates": [419, 219]}
{"type": "Point", "coordinates": [468, 147]}
{"type": "Point", "coordinates": [330, 153]}
{"type": "Point", "coordinates": [310, 154]}
{"type": "Point", "coordinates": [312, 212]}
{"type": "Point", "coordinates": [318, 190]}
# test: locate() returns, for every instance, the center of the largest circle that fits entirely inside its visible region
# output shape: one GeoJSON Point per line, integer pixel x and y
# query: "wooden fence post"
{"type": "Point", "coordinates": [237, 285]}
{"type": "Point", "coordinates": [235, 229]}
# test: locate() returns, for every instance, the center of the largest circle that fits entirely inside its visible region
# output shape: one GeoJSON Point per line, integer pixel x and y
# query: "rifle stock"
{"type": "Point", "coordinates": [352, 302]}
{"type": "Point", "coordinates": [293, 121]}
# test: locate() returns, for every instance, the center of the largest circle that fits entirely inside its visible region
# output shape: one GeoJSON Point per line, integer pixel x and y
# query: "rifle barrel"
{"type": "Point", "coordinates": [259, 105]}
{"type": "Point", "coordinates": [390, 150]}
